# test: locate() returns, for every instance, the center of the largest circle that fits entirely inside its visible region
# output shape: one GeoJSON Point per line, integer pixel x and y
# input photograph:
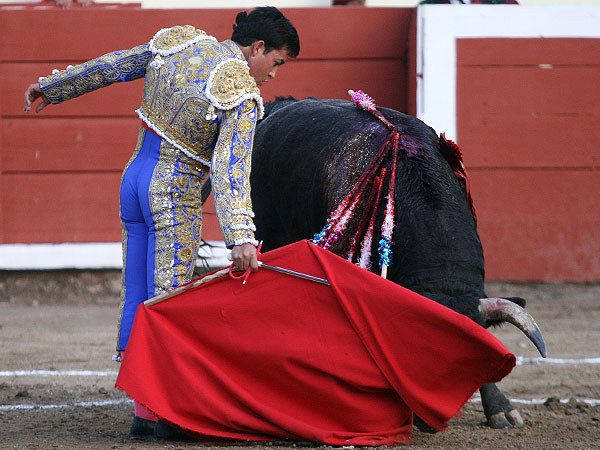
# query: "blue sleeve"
{"type": "Point", "coordinates": [122, 65]}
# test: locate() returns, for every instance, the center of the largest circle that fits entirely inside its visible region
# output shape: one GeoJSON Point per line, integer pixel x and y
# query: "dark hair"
{"type": "Point", "coordinates": [267, 24]}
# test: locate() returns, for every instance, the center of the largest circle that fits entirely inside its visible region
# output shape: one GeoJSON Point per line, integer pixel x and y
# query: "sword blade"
{"type": "Point", "coordinates": [294, 273]}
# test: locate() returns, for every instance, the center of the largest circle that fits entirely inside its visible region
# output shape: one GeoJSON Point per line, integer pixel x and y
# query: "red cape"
{"type": "Point", "coordinates": [286, 358]}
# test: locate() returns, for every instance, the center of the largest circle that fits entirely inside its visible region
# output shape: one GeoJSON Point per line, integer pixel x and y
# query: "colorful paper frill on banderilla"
{"type": "Point", "coordinates": [366, 193]}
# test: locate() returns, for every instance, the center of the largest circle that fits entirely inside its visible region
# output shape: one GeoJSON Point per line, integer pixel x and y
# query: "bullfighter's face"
{"type": "Point", "coordinates": [264, 65]}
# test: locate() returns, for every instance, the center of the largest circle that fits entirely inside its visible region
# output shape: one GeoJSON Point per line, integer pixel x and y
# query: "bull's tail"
{"type": "Point", "coordinates": [206, 190]}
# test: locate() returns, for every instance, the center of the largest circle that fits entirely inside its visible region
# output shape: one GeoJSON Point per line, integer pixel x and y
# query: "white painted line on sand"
{"type": "Point", "coordinates": [67, 405]}
{"type": "Point", "coordinates": [521, 360]}
{"type": "Point", "coordinates": [534, 401]}
{"type": "Point", "coordinates": [58, 373]}
{"type": "Point", "coordinates": [541, 401]}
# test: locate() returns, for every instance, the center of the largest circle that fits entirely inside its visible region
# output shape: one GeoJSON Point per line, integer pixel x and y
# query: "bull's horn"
{"type": "Point", "coordinates": [505, 310]}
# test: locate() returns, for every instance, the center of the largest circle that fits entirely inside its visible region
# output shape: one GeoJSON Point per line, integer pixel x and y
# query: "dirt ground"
{"type": "Point", "coordinates": [66, 321]}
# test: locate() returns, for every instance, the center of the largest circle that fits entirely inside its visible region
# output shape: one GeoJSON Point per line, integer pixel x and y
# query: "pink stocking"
{"type": "Point", "coordinates": [143, 412]}
{"type": "Point", "coordinates": [139, 409]}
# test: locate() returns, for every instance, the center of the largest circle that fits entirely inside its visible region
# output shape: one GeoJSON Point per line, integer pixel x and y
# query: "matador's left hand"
{"type": "Point", "coordinates": [244, 256]}
{"type": "Point", "coordinates": [32, 93]}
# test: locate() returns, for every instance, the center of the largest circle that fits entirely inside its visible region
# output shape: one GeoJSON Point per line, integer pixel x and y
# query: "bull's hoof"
{"type": "Point", "coordinates": [515, 418]}
{"type": "Point", "coordinates": [498, 420]}
{"type": "Point", "coordinates": [507, 419]}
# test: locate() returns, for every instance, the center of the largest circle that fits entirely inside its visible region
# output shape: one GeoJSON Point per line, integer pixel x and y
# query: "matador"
{"type": "Point", "coordinates": [199, 112]}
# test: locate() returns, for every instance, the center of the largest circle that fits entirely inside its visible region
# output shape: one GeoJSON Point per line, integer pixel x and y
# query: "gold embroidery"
{"type": "Point", "coordinates": [175, 193]}
{"type": "Point", "coordinates": [231, 82]}
{"type": "Point", "coordinates": [230, 174]}
{"type": "Point", "coordinates": [246, 125]}
{"type": "Point", "coordinates": [181, 115]}
{"type": "Point", "coordinates": [239, 150]}
{"type": "Point", "coordinates": [176, 36]}
{"type": "Point", "coordinates": [179, 80]}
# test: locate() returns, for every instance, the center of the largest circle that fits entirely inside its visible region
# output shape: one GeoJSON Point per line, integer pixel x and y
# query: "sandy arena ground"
{"type": "Point", "coordinates": [65, 322]}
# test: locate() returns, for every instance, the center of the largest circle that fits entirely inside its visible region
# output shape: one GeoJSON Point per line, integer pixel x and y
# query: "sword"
{"type": "Point", "coordinates": [287, 272]}
{"type": "Point", "coordinates": [294, 273]}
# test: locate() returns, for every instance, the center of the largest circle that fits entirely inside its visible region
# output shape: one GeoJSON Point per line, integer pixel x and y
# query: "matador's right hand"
{"type": "Point", "coordinates": [244, 256]}
{"type": "Point", "coordinates": [32, 93]}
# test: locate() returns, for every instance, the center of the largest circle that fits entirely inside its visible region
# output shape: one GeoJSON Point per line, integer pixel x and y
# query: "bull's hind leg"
{"type": "Point", "coordinates": [498, 410]}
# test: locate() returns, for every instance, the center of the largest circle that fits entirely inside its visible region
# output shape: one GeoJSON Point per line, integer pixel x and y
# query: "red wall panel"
{"type": "Point", "coordinates": [81, 33]}
{"type": "Point", "coordinates": [529, 124]}
{"type": "Point", "coordinates": [555, 112]}
{"type": "Point", "coordinates": [61, 207]}
{"type": "Point", "coordinates": [102, 144]}
{"type": "Point", "coordinates": [539, 224]}
{"type": "Point", "coordinates": [528, 52]}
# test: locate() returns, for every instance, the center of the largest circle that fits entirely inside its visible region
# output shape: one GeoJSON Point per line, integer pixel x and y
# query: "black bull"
{"type": "Point", "coordinates": [308, 155]}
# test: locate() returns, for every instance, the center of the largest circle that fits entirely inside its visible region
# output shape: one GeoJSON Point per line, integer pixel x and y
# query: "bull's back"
{"type": "Point", "coordinates": [309, 154]}
{"type": "Point", "coordinates": [296, 172]}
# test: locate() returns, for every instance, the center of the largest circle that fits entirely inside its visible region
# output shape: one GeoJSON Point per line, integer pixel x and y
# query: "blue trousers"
{"type": "Point", "coordinates": [161, 221]}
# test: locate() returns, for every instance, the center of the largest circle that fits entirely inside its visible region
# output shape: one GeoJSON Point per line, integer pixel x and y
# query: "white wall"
{"type": "Point", "coordinates": [85, 255]}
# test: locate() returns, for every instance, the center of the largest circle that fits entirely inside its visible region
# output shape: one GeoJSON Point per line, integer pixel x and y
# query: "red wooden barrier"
{"type": "Point", "coordinates": [529, 120]}
{"type": "Point", "coordinates": [60, 170]}
{"type": "Point", "coordinates": [527, 112]}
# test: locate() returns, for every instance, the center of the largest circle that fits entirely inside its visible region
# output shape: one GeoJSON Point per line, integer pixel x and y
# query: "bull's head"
{"type": "Point", "coordinates": [501, 309]}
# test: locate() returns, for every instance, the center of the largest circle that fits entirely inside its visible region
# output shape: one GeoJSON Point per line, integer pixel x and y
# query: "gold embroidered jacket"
{"type": "Point", "coordinates": [199, 96]}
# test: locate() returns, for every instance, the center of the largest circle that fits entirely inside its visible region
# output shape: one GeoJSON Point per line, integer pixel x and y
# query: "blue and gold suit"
{"type": "Point", "coordinates": [199, 110]}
